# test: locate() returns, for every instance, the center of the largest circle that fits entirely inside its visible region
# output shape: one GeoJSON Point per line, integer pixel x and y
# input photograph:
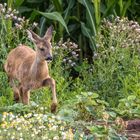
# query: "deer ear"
{"type": "Point", "coordinates": [31, 35]}
{"type": "Point", "coordinates": [48, 34]}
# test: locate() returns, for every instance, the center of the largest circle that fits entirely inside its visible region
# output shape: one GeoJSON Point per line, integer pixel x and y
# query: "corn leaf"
{"type": "Point", "coordinates": [55, 16]}
{"type": "Point", "coordinates": [35, 1]}
{"type": "Point", "coordinates": [97, 12]}
{"type": "Point", "coordinates": [18, 3]}
{"type": "Point", "coordinates": [110, 7]}
{"type": "Point", "coordinates": [58, 5]}
{"type": "Point", "coordinates": [89, 35]}
{"type": "Point", "coordinates": [68, 10]}
{"type": "Point", "coordinates": [42, 26]}
{"type": "Point", "coordinates": [90, 14]}
{"type": "Point", "coordinates": [126, 6]}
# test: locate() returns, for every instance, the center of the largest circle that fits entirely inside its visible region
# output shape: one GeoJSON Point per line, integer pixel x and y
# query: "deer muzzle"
{"type": "Point", "coordinates": [49, 58]}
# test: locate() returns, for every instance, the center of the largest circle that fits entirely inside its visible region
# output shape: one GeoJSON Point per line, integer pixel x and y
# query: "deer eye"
{"type": "Point", "coordinates": [42, 49]}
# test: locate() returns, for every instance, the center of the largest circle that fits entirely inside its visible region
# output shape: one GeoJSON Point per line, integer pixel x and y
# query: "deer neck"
{"type": "Point", "coordinates": [37, 67]}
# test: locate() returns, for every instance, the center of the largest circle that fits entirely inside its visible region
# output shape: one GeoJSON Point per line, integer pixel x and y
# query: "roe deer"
{"type": "Point", "coordinates": [30, 68]}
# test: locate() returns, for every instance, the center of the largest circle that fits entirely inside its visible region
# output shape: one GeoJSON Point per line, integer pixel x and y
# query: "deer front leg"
{"type": "Point", "coordinates": [25, 96]}
{"type": "Point", "coordinates": [50, 82]}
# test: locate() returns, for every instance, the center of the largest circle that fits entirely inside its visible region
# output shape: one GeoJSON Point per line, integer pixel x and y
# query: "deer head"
{"type": "Point", "coordinates": [43, 45]}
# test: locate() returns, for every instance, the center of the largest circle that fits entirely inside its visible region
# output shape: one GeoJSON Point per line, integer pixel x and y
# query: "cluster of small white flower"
{"type": "Point", "coordinates": [70, 52]}
{"type": "Point", "coordinates": [130, 30]}
{"type": "Point", "coordinates": [12, 14]}
{"type": "Point", "coordinates": [39, 126]}
{"type": "Point", "coordinates": [116, 34]}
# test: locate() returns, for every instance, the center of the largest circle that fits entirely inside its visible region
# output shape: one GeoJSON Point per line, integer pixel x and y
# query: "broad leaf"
{"type": "Point", "coordinates": [35, 1]}
{"type": "Point", "coordinates": [95, 95]}
{"type": "Point", "coordinates": [90, 14]}
{"type": "Point", "coordinates": [58, 5]}
{"type": "Point", "coordinates": [88, 34]}
{"type": "Point", "coordinates": [23, 9]}
{"type": "Point", "coordinates": [97, 4]}
{"type": "Point", "coordinates": [18, 3]}
{"type": "Point", "coordinates": [131, 97]}
{"type": "Point", "coordinates": [68, 9]}
{"type": "Point", "coordinates": [110, 7]}
{"type": "Point", "coordinates": [42, 26]}
{"type": "Point", "coordinates": [126, 6]}
{"type": "Point", "coordinates": [55, 16]}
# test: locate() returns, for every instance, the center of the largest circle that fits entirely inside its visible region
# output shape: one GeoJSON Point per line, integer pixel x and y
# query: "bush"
{"type": "Point", "coordinates": [116, 60]}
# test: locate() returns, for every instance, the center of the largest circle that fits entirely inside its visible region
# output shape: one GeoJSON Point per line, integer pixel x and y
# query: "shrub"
{"type": "Point", "coordinates": [116, 59]}
{"type": "Point", "coordinates": [85, 106]}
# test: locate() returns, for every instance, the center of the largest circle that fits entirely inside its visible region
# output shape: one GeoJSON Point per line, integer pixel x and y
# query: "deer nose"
{"type": "Point", "coordinates": [49, 58]}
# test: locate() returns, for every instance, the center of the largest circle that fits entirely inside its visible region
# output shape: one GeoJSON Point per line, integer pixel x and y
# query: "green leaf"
{"type": "Point", "coordinates": [112, 114]}
{"type": "Point", "coordinates": [88, 34]}
{"type": "Point", "coordinates": [68, 9]}
{"type": "Point", "coordinates": [120, 2]}
{"type": "Point", "coordinates": [102, 102]}
{"type": "Point", "coordinates": [35, 1]}
{"type": "Point", "coordinates": [93, 102]}
{"type": "Point", "coordinates": [18, 3]}
{"type": "Point", "coordinates": [90, 14]}
{"type": "Point", "coordinates": [33, 15]}
{"type": "Point", "coordinates": [23, 9]}
{"type": "Point", "coordinates": [126, 6]}
{"type": "Point", "coordinates": [97, 4]}
{"type": "Point", "coordinates": [90, 109]}
{"type": "Point", "coordinates": [131, 97]}
{"type": "Point", "coordinates": [95, 95]}
{"type": "Point", "coordinates": [110, 6]}
{"type": "Point", "coordinates": [42, 26]}
{"type": "Point", "coordinates": [67, 114]}
{"type": "Point", "coordinates": [55, 16]}
{"type": "Point", "coordinates": [90, 93]}
{"type": "Point", "coordinates": [57, 5]}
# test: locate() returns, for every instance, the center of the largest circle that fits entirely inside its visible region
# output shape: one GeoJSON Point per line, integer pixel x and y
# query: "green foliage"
{"type": "Point", "coordinates": [102, 132]}
{"type": "Point", "coordinates": [129, 107]}
{"type": "Point", "coordinates": [89, 30]}
{"type": "Point", "coordinates": [134, 9]}
{"type": "Point", "coordinates": [84, 106]}
{"type": "Point", "coordinates": [55, 16]}
{"type": "Point", "coordinates": [116, 61]}
{"type": "Point", "coordinates": [6, 95]}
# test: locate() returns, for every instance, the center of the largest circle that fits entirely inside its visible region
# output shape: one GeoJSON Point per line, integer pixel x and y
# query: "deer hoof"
{"type": "Point", "coordinates": [16, 97]}
{"type": "Point", "coordinates": [16, 100]}
{"type": "Point", "coordinates": [53, 107]}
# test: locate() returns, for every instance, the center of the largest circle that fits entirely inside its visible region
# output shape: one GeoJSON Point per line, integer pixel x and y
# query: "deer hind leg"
{"type": "Point", "coordinates": [25, 95]}
{"type": "Point", "coordinates": [50, 82]}
{"type": "Point", "coordinates": [15, 89]}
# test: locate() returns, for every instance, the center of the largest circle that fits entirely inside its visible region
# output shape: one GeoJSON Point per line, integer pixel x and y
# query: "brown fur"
{"type": "Point", "coordinates": [30, 68]}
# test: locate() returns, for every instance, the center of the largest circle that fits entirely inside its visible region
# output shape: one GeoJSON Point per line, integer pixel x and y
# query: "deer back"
{"type": "Point", "coordinates": [15, 58]}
